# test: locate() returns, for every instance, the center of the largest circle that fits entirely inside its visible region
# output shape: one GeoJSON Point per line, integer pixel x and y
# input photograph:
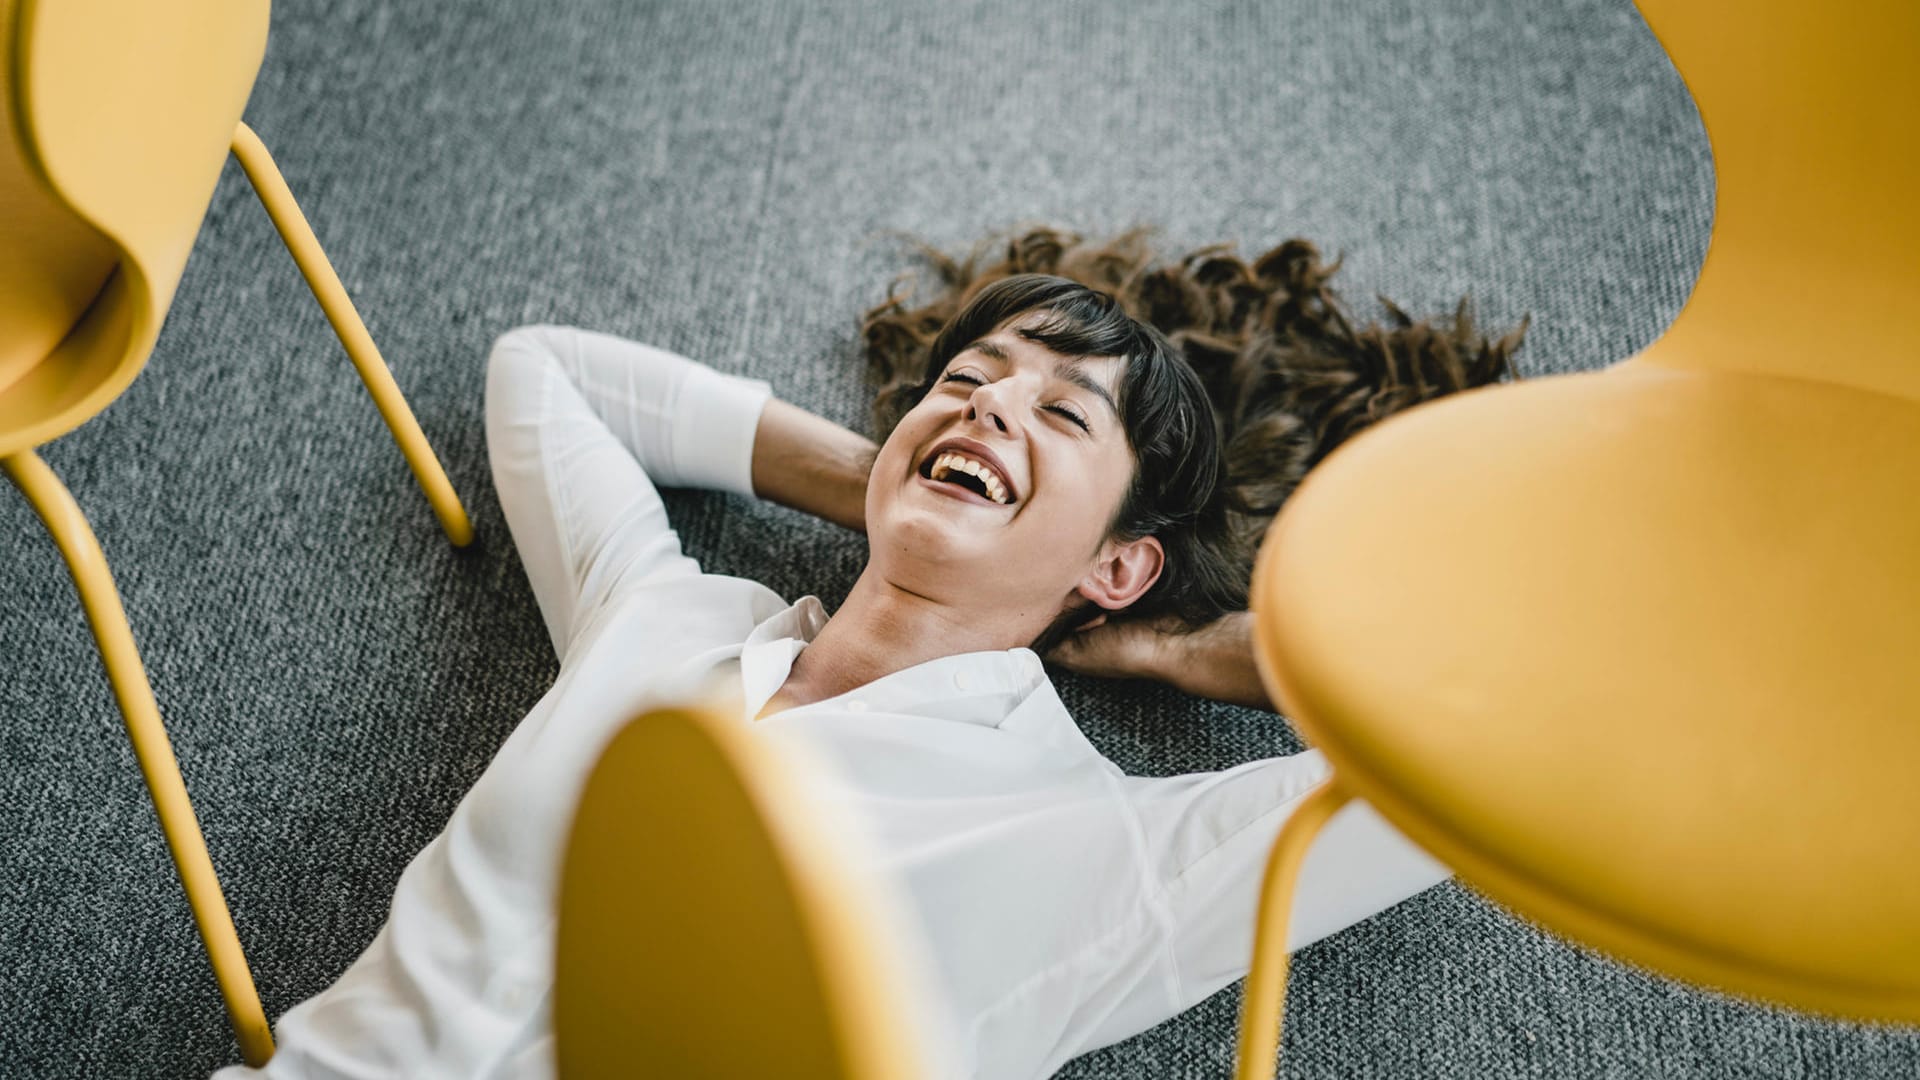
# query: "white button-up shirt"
{"type": "Point", "coordinates": [1059, 904]}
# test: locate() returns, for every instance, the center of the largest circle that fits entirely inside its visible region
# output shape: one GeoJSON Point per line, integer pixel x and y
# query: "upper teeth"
{"type": "Point", "coordinates": [950, 462]}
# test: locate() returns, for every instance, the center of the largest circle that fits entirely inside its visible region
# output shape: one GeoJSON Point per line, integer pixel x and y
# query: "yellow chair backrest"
{"type": "Point", "coordinates": [713, 921]}
{"type": "Point", "coordinates": [1813, 114]}
{"type": "Point", "coordinates": [1645, 672]}
{"type": "Point", "coordinates": [118, 118]}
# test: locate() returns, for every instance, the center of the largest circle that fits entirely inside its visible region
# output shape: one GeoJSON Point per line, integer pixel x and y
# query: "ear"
{"type": "Point", "coordinates": [1123, 572]}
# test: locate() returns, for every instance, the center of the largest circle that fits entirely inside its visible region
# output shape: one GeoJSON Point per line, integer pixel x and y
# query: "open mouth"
{"type": "Point", "coordinates": [950, 465]}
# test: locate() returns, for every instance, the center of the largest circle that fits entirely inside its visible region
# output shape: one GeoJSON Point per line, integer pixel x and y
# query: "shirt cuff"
{"type": "Point", "coordinates": [714, 427]}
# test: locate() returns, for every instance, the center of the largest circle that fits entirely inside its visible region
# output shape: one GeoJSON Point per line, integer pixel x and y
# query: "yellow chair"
{"type": "Point", "coordinates": [1635, 651]}
{"type": "Point", "coordinates": [118, 117]}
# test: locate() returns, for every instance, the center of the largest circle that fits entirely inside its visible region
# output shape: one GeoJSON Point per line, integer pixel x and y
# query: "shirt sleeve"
{"type": "Point", "coordinates": [580, 426]}
{"type": "Point", "coordinates": [1211, 834]}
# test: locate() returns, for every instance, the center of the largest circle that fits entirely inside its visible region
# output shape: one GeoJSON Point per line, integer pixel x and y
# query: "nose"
{"type": "Point", "coordinates": [985, 405]}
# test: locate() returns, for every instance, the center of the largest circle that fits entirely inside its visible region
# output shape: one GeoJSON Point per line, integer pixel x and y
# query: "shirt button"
{"type": "Point", "coordinates": [960, 680]}
{"type": "Point", "coordinates": [856, 706]}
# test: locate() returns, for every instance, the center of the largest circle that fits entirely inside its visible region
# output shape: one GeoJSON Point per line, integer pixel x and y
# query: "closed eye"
{"type": "Point", "coordinates": [1071, 415]}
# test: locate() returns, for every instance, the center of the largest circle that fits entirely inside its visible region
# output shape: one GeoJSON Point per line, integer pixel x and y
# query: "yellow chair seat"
{"type": "Point", "coordinates": [1711, 587]}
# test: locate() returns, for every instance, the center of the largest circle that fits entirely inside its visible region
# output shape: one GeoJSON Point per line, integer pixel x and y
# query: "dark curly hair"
{"type": "Point", "coordinates": [1288, 372]}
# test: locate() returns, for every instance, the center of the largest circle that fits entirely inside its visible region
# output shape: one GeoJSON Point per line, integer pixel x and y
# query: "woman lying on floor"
{"type": "Point", "coordinates": [1054, 464]}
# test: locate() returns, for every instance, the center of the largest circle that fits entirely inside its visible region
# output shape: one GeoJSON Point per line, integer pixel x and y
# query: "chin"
{"type": "Point", "coordinates": [923, 553]}
{"type": "Point", "coordinates": [913, 537]}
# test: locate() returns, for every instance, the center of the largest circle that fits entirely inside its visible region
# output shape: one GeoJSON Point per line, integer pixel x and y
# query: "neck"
{"type": "Point", "coordinates": [882, 628]}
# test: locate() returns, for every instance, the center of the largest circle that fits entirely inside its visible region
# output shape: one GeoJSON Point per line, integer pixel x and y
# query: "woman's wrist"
{"type": "Point", "coordinates": [1216, 661]}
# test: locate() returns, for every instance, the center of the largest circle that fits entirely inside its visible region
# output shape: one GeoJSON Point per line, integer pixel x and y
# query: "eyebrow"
{"type": "Point", "coordinates": [1068, 368]}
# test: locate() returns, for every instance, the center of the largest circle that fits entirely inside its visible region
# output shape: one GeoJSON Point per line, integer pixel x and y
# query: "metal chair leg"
{"type": "Point", "coordinates": [1264, 1003]}
{"type": "Point", "coordinates": [94, 582]}
{"type": "Point", "coordinates": [293, 227]}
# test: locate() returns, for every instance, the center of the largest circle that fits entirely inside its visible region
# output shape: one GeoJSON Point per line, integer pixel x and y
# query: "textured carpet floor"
{"type": "Point", "coordinates": [720, 178]}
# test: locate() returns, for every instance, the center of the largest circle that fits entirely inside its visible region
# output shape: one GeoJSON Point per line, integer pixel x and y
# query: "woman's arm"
{"type": "Point", "coordinates": [1214, 661]}
{"type": "Point", "coordinates": [813, 464]}
{"type": "Point", "coordinates": [580, 426]}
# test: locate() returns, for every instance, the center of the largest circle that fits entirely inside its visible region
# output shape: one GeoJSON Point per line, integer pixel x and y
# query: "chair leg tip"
{"type": "Point", "coordinates": [459, 534]}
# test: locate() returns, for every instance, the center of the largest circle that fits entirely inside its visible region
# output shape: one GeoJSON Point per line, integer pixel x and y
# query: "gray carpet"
{"type": "Point", "coordinates": [721, 179]}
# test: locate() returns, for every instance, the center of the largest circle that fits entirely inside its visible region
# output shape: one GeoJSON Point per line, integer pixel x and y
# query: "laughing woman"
{"type": "Point", "coordinates": [1052, 481]}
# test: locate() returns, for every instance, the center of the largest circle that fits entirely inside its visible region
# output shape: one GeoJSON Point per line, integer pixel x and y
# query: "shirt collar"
{"type": "Point", "coordinates": [958, 687]}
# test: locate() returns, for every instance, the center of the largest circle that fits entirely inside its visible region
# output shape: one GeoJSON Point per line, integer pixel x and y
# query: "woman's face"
{"type": "Point", "coordinates": [994, 493]}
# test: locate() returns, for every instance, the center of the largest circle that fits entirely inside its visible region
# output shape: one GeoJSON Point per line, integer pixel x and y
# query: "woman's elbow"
{"type": "Point", "coordinates": [518, 362]}
{"type": "Point", "coordinates": [534, 345]}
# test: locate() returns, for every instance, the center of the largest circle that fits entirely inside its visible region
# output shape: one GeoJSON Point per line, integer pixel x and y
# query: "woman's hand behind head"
{"type": "Point", "coordinates": [1213, 661]}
